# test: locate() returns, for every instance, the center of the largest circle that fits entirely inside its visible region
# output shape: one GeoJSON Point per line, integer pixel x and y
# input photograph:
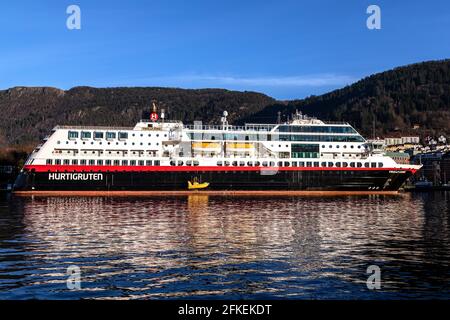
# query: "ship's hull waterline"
{"type": "Point", "coordinates": [220, 181]}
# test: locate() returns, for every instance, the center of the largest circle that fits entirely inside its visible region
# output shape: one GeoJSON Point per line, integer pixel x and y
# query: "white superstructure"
{"type": "Point", "coordinates": [302, 142]}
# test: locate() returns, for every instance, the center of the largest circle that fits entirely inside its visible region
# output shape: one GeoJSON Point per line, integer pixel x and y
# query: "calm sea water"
{"type": "Point", "coordinates": [234, 248]}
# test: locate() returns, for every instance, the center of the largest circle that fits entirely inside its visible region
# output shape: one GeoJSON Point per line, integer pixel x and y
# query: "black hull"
{"type": "Point", "coordinates": [307, 180]}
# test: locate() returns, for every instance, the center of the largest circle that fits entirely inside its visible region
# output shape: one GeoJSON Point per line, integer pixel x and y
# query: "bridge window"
{"type": "Point", "coordinates": [85, 135]}
{"type": "Point", "coordinates": [123, 135]}
{"type": "Point", "coordinates": [73, 135]}
{"type": "Point", "coordinates": [98, 135]}
{"type": "Point", "coordinates": [110, 135]}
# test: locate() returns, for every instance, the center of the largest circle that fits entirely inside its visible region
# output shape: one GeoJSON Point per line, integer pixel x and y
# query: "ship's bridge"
{"type": "Point", "coordinates": [145, 124]}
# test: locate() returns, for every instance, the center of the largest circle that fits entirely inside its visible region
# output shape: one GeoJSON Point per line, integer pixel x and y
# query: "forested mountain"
{"type": "Point", "coordinates": [396, 100]}
{"type": "Point", "coordinates": [28, 114]}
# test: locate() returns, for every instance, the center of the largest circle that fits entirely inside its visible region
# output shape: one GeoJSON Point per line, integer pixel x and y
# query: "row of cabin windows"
{"type": "Point", "coordinates": [101, 135]}
{"type": "Point", "coordinates": [307, 138]}
{"type": "Point", "coordinates": [317, 129]}
{"type": "Point", "coordinates": [109, 143]}
{"type": "Point", "coordinates": [92, 162]}
{"type": "Point", "coordinates": [188, 163]}
{"type": "Point", "coordinates": [98, 152]}
{"type": "Point", "coordinates": [301, 164]}
{"type": "Point", "coordinates": [344, 146]}
{"type": "Point", "coordinates": [219, 163]}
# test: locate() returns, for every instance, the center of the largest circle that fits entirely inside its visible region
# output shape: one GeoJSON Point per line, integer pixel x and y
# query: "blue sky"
{"type": "Point", "coordinates": [286, 49]}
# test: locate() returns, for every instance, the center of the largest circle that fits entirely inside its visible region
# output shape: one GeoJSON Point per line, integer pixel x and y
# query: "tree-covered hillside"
{"type": "Point", "coordinates": [396, 100]}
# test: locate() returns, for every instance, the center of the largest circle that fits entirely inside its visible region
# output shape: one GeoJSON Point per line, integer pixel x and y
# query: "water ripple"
{"type": "Point", "coordinates": [214, 247]}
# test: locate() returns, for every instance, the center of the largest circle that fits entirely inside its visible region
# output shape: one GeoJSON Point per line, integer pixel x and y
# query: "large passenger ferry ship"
{"type": "Point", "coordinates": [302, 155]}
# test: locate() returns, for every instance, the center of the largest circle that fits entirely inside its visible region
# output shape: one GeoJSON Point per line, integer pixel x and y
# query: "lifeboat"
{"type": "Point", "coordinates": [240, 146]}
{"type": "Point", "coordinates": [206, 146]}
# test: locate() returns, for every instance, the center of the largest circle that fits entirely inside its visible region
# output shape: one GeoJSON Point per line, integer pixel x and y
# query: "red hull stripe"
{"type": "Point", "coordinates": [75, 168]}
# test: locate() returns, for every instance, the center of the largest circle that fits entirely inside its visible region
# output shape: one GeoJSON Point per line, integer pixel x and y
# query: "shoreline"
{"type": "Point", "coordinates": [225, 193]}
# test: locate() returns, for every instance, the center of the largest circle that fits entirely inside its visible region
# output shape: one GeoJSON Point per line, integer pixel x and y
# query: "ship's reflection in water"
{"type": "Point", "coordinates": [214, 247]}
